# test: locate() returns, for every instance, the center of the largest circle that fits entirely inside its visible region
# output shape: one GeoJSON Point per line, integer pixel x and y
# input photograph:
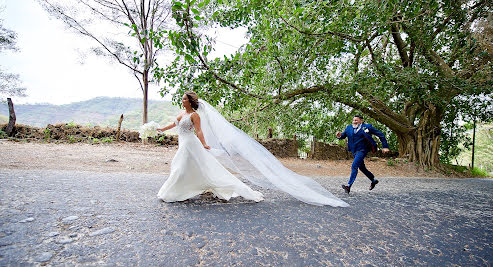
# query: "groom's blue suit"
{"type": "Point", "coordinates": [360, 143]}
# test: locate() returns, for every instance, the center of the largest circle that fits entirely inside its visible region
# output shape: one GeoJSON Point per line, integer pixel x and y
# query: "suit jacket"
{"type": "Point", "coordinates": [362, 140]}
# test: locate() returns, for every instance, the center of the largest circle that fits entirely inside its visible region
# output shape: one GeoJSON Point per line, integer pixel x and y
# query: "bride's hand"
{"type": "Point", "coordinates": [207, 147]}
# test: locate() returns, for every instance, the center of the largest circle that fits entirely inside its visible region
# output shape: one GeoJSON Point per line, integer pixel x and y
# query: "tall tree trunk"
{"type": "Point", "coordinates": [10, 126]}
{"type": "Point", "coordinates": [145, 80]}
{"type": "Point", "coordinates": [422, 145]}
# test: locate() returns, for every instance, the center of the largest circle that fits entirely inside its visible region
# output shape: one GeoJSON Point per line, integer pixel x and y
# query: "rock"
{"type": "Point", "coordinates": [201, 244]}
{"type": "Point", "coordinates": [52, 234]}
{"type": "Point", "coordinates": [73, 235]}
{"type": "Point", "coordinates": [69, 219]}
{"type": "Point", "coordinates": [30, 219]}
{"type": "Point", "coordinates": [112, 160]}
{"type": "Point", "coordinates": [103, 231]}
{"type": "Point", "coordinates": [44, 257]}
{"type": "Point", "coordinates": [65, 240]}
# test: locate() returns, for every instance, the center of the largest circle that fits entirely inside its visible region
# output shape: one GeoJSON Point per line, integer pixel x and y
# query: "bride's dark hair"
{"type": "Point", "coordinates": [193, 98]}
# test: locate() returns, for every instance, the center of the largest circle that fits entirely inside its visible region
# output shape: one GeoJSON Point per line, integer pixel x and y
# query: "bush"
{"type": "Point", "coordinates": [71, 139]}
{"type": "Point", "coordinates": [478, 172]}
{"type": "Point", "coordinates": [3, 134]}
{"type": "Point", "coordinates": [71, 124]}
{"type": "Point", "coordinates": [47, 133]}
{"type": "Point", "coordinates": [107, 140]}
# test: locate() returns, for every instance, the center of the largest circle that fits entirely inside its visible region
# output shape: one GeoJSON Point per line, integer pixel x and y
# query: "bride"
{"type": "Point", "coordinates": [199, 164]}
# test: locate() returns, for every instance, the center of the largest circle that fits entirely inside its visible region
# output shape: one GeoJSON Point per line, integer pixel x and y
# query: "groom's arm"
{"type": "Point", "coordinates": [343, 134]}
{"type": "Point", "coordinates": [380, 135]}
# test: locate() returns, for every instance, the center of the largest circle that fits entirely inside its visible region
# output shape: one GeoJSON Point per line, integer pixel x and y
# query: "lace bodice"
{"type": "Point", "coordinates": [185, 125]}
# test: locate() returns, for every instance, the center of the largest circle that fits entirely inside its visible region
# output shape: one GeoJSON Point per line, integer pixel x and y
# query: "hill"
{"type": "Point", "coordinates": [4, 119]}
{"type": "Point", "coordinates": [102, 111]}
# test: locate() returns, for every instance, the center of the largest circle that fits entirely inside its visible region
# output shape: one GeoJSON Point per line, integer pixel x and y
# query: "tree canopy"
{"type": "Point", "coordinates": [412, 66]}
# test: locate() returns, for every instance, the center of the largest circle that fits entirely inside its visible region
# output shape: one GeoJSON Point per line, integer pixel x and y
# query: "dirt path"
{"type": "Point", "coordinates": [139, 158]}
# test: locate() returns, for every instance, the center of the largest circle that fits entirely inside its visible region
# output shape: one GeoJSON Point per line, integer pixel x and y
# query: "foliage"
{"type": "Point", "coordinates": [47, 133]}
{"type": "Point", "coordinates": [480, 173]}
{"type": "Point", "coordinates": [160, 137]}
{"type": "Point", "coordinates": [483, 150]}
{"type": "Point", "coordinates": [10, 84]}
{"type": "Point", "coordinates": [71, 139]}
{"type": "Point", "coordinates": [308, 64]}
{"type": "Point", "coordinates": [3, 134]}
{"type": "Point", "coordinates": [107, 140]}
{"type": "Point", "coordinates": [71, 124]}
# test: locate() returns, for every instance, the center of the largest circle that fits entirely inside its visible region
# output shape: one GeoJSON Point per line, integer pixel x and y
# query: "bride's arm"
{"type": "Point", "coordinates": [196, 124]}
{"type": "Point", "coordinates": [170, 126]}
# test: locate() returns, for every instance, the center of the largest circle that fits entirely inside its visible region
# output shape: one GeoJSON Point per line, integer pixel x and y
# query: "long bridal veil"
{"type": "Point", "coordinates": [245, 156]}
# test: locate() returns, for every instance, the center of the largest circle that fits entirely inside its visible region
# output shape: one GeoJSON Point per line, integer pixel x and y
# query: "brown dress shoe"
{"type": "Point", "coordinates": [372, 185]}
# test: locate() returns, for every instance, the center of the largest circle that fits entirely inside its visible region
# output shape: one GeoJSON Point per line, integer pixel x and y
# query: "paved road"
{"type": "Point", "coordinates": [88, 218]}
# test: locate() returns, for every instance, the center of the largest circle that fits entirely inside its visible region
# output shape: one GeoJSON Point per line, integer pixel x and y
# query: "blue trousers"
{"type": "Point", "coordinates": [359, 163]}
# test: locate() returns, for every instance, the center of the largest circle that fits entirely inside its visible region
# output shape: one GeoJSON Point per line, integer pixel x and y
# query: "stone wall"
{"type": "Point", "coordinates": [323, 151]}
{"type": "Point", "coordinates": [282, 148]}
{"type": "Point", "coordinates": [76, 133]}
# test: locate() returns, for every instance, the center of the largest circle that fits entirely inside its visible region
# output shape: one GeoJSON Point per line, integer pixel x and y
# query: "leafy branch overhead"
{"type": "Point", "coordinates": [406, 65]}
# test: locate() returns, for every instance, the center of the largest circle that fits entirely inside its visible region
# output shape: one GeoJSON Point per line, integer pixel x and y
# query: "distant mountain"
{"type": "Point", "coordinates": [102, 111]}
{"type": "Point", "coordinates": [4, 119]}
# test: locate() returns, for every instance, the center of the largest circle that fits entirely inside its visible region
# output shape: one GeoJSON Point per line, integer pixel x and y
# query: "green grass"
{"type": "Point", "coordinates": [483, 159]}
{"type": "Point", "coordinates": [480, 173]}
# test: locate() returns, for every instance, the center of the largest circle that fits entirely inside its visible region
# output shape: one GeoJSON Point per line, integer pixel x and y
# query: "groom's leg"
{"type": "Point", "coordinates": [368, 174]}
{"type": "Point", "coordinates": [358, 160]}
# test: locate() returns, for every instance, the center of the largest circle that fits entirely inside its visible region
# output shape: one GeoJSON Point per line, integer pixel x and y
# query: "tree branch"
{"type": "Point", "coordinates": [342, 35]}
{"type": "Point", "coordinates": [401, 46]}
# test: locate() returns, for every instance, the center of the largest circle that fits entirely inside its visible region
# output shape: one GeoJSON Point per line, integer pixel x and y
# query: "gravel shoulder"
{"type": "Point", "coordinates": [140, 158]}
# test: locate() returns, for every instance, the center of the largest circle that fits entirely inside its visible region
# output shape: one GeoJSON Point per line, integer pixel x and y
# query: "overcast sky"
{"type": "Point", "coordinates": [56, 65]}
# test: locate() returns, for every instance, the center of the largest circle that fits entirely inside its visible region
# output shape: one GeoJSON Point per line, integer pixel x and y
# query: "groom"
{"type": "Point", "coordinates": [360, 143]}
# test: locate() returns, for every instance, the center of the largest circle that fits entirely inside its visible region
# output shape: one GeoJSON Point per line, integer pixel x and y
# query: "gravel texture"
{"type": "Point", "coordinates": [73, 217]}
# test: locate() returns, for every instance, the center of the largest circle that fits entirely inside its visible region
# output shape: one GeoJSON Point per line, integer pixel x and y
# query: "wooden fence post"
{"type": "Point", "coordinates": [119, 127]}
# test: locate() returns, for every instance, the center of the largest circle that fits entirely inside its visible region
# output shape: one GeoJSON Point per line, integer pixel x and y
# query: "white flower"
{"type": "Point", "coordinates": [148, 130]}
{"type": "Point", "coordinates": [367, 131]}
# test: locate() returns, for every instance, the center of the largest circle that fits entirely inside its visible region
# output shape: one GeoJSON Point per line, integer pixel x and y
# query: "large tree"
{"type": "Point", "coordinates": [403, 63]}
{"type": "Point", "coordinates": [91, 18]}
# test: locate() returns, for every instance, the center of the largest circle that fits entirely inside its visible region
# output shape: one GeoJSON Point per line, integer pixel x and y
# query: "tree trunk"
{"type": "Point", "coordinates": [422, 145]}
{"type": "Point", "coordinates": [145, 80]}
{"type": "Point", "coordinates": [10, 126]}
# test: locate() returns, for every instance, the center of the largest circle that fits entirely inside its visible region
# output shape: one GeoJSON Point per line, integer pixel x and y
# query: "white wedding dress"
{"type": "Point", "coordinates": [194, 170]}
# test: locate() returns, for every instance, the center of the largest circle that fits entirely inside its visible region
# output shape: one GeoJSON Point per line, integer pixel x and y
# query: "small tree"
{"type": "Point", "coordinates": [10, 84]}
{"type": "Point", "coordinates": [142, 18]}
